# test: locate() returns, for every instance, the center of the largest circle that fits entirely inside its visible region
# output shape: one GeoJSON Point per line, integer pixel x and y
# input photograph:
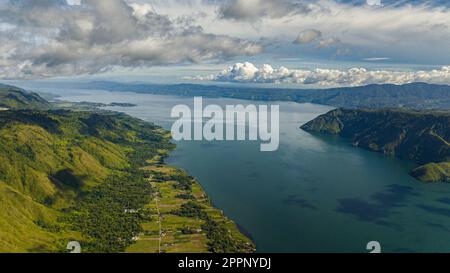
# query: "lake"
{"type": "Point", "coordinates": [314, 194]}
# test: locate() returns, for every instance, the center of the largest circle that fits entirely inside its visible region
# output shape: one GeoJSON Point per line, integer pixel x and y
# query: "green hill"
{"type": "Point", "coordinates": [16, 98]}
{"type": "Point", "coordinates": [49, 159]}
{"type": "Point", "coordinates": [79, 175]}
{"type": "Point", "coordinates": [420, 136]}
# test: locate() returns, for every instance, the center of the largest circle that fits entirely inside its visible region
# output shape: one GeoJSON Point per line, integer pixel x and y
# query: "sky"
{"type": "Point", "coordinates": [310, 43]}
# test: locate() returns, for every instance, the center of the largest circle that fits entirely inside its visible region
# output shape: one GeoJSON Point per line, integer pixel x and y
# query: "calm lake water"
{"type": "Point", "coordinates": [315, 194]}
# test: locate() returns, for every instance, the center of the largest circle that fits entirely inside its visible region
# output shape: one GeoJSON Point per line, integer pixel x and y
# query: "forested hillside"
{"type": "Point", "coordinates": [12, 97]}
{"type": "Point", "coordinates": [83, 175]}
{"type": "Point", "coordinates": [422, 137]}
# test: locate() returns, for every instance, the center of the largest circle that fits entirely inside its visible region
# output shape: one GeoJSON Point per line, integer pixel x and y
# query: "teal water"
{"type": "Point", "coordinates": [315, 194]}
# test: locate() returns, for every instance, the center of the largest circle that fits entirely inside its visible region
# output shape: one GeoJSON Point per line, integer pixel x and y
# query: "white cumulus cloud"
{"type": "Point", "coordinates": [249, 73]}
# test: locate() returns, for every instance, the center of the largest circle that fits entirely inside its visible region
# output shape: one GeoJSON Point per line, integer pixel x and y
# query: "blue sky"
{"type": "Point", "coordinates": [317, 43]}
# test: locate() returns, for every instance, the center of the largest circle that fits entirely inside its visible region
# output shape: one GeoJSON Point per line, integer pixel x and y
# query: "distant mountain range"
{"type": "Point", "coordinates": [410, 96]}
{"type": "Point", "coordinates": [422, 137]}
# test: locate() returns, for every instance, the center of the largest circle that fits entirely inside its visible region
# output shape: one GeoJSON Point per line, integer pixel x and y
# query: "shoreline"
{"type": "Point", "coordinates": [179, 231]}
{"type": "Point", "coordinates": [239, 227]}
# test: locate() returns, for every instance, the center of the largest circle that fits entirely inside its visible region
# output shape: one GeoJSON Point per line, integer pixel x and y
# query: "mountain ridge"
{"type": "Point", "coordinates": [12, 97]}
{"type": "Point", "coordinates": [419, 96]}
{"type": "Point", "coordinates": [421, 137]}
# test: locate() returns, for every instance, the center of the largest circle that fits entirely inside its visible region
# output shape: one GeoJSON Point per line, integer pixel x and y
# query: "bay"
{"type": "Point", "coordinates": [314, 194]}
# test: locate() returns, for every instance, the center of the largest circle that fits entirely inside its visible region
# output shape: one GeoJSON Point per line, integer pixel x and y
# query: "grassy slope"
{"type": "Point", "coordinates": [16, 98]}
{"type": "Point", "coordinates": [46, 160]}
{"type": "Point", "coordinates": [33, 158]}
{"type": "Point", "coordinates": [418, 136]}
{"type": "Point", "coordinates": [19, 231]}
{"type": "Point", "coordinates": [68, 175]}
{"type": "Point", "coordinates": [433, 172]}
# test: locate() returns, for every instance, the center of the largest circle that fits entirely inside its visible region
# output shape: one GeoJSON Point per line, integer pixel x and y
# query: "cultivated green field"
{"type": "Point", "coordinates": [172, 232]}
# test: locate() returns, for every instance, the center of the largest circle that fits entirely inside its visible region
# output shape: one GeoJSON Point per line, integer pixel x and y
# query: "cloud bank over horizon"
{"type": "Point", "coordinates": [249, 73]}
